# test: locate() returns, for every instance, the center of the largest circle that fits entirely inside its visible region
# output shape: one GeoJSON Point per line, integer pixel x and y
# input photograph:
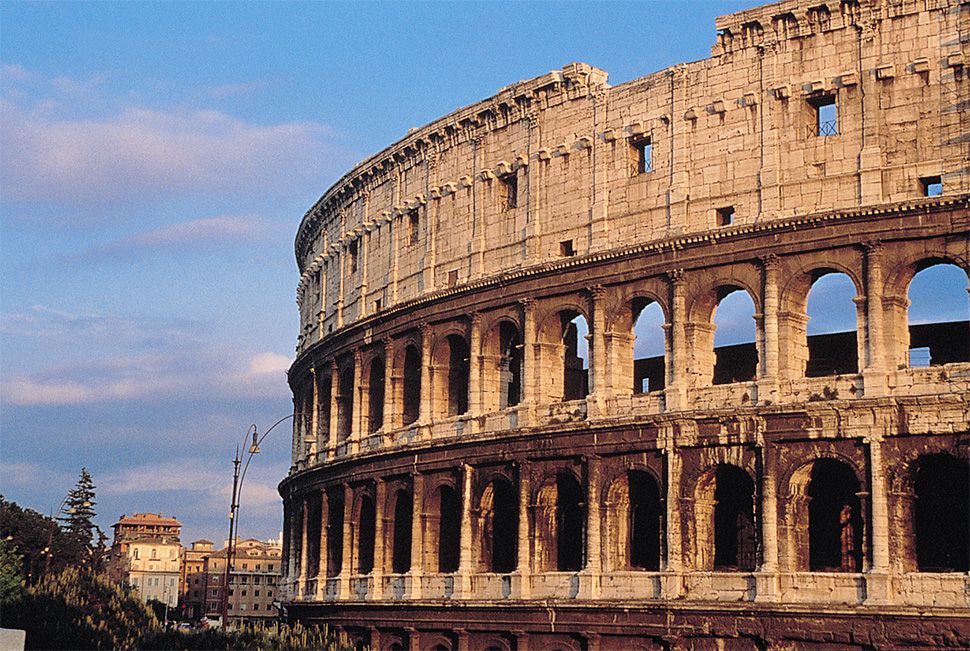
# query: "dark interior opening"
{"type": "Point", "coordinates": [365, 535]}
{"type": "Point", "coordinates": [375, 396]}
{"type": "Point", "coordinates": [505, 530]}
{"type": "Point", "coordinates": [412, 385]}
{"type": "Point", "coordinates": [734, 533]}
{"type": "Point", "coordinates": [510, 366]}
{"type": "Point", "coordinates": [834, 518]}
{"type": "Point", "coordinates": [457, 375]}
{"type": "Point", "coordinates": [449, 528]}
{"type": "Point", "coordinates": [345, 405]}
{"type": "Point", "coordinates": [570, 533]}
{"type": "Point", "coordinates": [314, 515]}
{"type": "Point", "coordinates": [401, 545]}
{"type": "Point", "coordinates": [646, 516]}
{"type": "Point", "coordinates": [575, 376]}
{"type": "Point", "coordinates": [942, 514]}
{"type": "Point", "coordinates": [335, 531]}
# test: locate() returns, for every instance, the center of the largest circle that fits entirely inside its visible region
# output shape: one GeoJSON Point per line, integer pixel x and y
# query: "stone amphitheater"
{"type": "Point", "coordinates": [517, 426]}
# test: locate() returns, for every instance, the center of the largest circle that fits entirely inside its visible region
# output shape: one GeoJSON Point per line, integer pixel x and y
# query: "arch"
{"type": "Point", "coordinates": [564, 356]}
{"type": "Point", "coordinates": [724, 519]}
{"type": "Point", "coordinates": [648, 346]}
{"type": "Point", "coordinates": [834, 518]}
{"type": "Point", "coordinates": [410, 384]}
{"type": "Point", "coordinates": [314, 524]}
{"type": "Point", "coordinates": [831, 331]}
{"type": "Point", "coordinates": [375, 395]}
{"type": "Point", "coordinates": [937, 326]}
{"type": "Point", "coordinates": [735, 335]}
{"type": "Point", "coordinates": [335, 529]}
{"type": "Point", "coordinates": [366, 530]}
{"type": "Point", "coordinates": [401, 528]}
{"type": "Point", "coordinates": [345, 403]}
{"type": "Point", "coordinates": [503, 366]}
{"type": "Point", "coordinates": [450, 360]}
{"type": "Point", "coordinates": [498, 526]}
{"type": "Point", "coordinates": [941, 513]}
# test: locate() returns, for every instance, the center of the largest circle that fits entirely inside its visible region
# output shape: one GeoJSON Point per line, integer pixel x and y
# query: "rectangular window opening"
{"type": "Point", "coordinates": [510, 191]}
{"type": "Point", "coordinates": [353, 270]}
{"type": "Point", "coordinates": [643, 150]}
{"type": "Point", "coordinates": [377, 305]}
{"type": "Point", "coordinates": [414, 226]}
{"type": "Point", "coordinates": [826, 116]}
{"type": "Point", "coordinates": [452, 278]}
{"type": "Point", "coordinates": [725, 216]}
{"type": "Point", "coordinates": [566, 249]}
{"type": "Point", "coordinates": [932, 186]}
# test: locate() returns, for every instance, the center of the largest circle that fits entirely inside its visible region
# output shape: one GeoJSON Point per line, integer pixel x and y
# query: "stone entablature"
{"type": "Point", "coordinates": [734, 131]}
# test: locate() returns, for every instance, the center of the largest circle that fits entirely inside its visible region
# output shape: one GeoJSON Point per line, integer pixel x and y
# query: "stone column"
{"type": "Point", "coordinates": [347, 542]}
{"type": "Point", "coordinates": [597, 340]}
{"type": "Point", "coordinates": [874, 373]}
{"type": "Point", "coordinates": [524, 562]}
{"type": "Point", "coordinates": [594, 551]}
{"type": "Point", "coordinates": [334, 388]}
{"type": "Point", "coordinates": [877, 581]}
{"type": "Point", "coordinates": [672, 582]}
{"type": "Point", "coordinates": [417, 535]}
{"type": "Point", "coordinates": [465, 567]}
{"type": "Point", "coordinates": [529, 359]}
{"type": "Point", "coordinates": [340, 290]}
{"type": "Point", "coordinates": [424, 414]}
{"type": "Point", "coordinates": [295, 447]}
{"type": "Point", "coordinates": [304, 517]}
{"type": "Point", "coordinates": [322, 562]}
{"type": "Point", "coordinates": [393, 226]}
{"type": "Point", "coordinates": [313, 439]}
{"type": "Point", "coordinates": [357, 426]}
{"type": "Point", "coordinates": [766, 580]}
{"type": "Point", "coordinates": [675, 395]}
{"type": "Point", "coordinates": [390, 387]}
{"type": "Point", "coordinates": [475, 366]}
{"type": "Point", "coordinates": [380, 546]}
{"type": "Point", "coordinates": [768, 382]}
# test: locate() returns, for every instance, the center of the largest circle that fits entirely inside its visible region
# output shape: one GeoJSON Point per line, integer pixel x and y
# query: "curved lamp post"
{"type": "Point", "coordinates": [237, 483]}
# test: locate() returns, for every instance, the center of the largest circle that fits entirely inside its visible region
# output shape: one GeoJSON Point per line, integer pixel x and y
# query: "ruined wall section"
{"type": "Point", "coordinates": [733, 140]}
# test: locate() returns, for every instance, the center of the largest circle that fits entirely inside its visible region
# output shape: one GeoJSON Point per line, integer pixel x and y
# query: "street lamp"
{"type": "Point", "coordinates": [237, 483]}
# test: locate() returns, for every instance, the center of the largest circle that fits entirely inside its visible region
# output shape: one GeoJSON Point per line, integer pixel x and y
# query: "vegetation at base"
{"type": "Point", "coordinates": [260, 637]}
{"type": "Point", "coordinates": [77, 609]}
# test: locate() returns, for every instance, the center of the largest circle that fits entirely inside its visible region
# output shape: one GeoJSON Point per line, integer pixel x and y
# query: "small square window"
{"type": "Point", "coordinates": [452, 277]}
{"type": "Point", "coordinates": [255, 593]}
{"type": "Point", "coordinates": [932, 186]}
{"type": "Point", "coordinates": [643, 150]}
{"type": "Point", "coordinates": [510, 191]}
{"type": "Point", "coordinates": [414, 226]}
{"type": "Point", "coordinates": [255, 606]}
{"type": "Point", "coordinates": [566, 249]}
{"type": "Point", "coordinates": [725, 216]}
{"type": "Point", "coordinates": [826, 116]}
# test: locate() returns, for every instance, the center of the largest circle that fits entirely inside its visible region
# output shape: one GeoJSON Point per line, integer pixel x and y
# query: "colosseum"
{"type": "Point", "coordinates": [518, 425]}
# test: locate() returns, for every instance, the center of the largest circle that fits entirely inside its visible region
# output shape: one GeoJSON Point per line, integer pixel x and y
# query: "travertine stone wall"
{"type": "Point", "coordinates": [462, 477]}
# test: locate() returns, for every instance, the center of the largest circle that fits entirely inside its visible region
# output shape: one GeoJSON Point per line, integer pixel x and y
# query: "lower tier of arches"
{"type": "Point", "coordinates": [584, 626]}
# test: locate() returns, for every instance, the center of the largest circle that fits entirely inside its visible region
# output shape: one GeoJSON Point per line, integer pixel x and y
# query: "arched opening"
{"type": "Point", "coordinates": [499, 526]}
{"type": "Point", "coordinates": [834, 518]}
{"type": "Point", "coordinates": [939, 332]}
{"type": "Point", "coordinates": [734, 532]}
{"type": "Point", "coordinates": [323, 424]}
{"type": "Point", "coordinates": [345, 404]}
{"type": "Point", "coordinates": [411, 407]}
{"type": "Point", "coordinates": [509, 366]}
{"type": "Point", "coordinates": [314, 521]}
{"type": "Point", "coordinates": [366, 521]}
{"type": "Point", "coordinates": [735, 351]}
{"type": "Point", "coordinates": [646, 514]}
{"type": "Point", "coordinates": [570, 523]}
{"type": "Point", "coordinates": [375, 395]}
{"type": "Point", "coordinates": [401, 532]}
{"type": "Point", "coordinates": [449, 529]}
{"type": "Point", "coordinates": [457, 375]}
{"type": "Point", "coordinates": [648, 347]}
{"type": "Point", "coordinates": [575, 332]}
{"type": "Point", "coordinates": [941, 514]}
{"type": "Point", "coordinates": [831, 328]}
{"type": "Point", "coordinates": [335, 530]}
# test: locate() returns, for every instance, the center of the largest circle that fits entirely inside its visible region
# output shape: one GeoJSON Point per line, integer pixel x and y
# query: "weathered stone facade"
{"type": "Point", "coordinates": [466, 476]}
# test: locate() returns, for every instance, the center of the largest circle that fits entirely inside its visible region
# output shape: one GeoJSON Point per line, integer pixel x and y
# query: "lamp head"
{"type": "Point", "coordinates": [254, 448]}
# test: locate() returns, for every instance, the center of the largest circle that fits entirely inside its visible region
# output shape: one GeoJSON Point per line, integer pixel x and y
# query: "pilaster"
{"type": "Point", "coordinates": [524, 552]}
{"type": "Point", "coordinates": [465, 569]}
{"type": "Point", "coordinates": [346, 543]}
{"type": "Point", "coordinates": [768, 380]}
{"type": "Point", "coordinates": [675, 395]}
{"type": "Point", "coordinates": [417, 535]}
{"type": "Point", "coordinates": [874, 373]}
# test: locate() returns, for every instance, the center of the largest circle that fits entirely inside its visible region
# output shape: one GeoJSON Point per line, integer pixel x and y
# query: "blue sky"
{"type": "Point", "coordinates": [155, 161]}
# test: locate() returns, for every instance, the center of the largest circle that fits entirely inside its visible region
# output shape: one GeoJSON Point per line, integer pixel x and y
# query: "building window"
{"type": "Point", "coordinates": [414, 232]}
{"type": "Point", "coordinates": [255, 606]}
{"type": "Point", "coordinates": [353, 269]}
{"type": "Point", "coordinates": [244, 593]}
{"type": "Point", "coordinates": [509, 187]}
{"type": "Point", "coordinates": [230, 592]}
{"type": "Point", "coordinates": [255, 593]}
{"type": "Point", "coordinates": [270, 567]}
{"type": "Point", "coordinates": [725, 216]}
{"type": "Point", "coordinates": [566, 249]}
{"type": "Point", "coordinates": [452, 278]}
{"type": "Point", "coordinates": [256, 580]}
{"type": "Point", "coordinates": [826, 115]}
{"type": "Point", "coordinates": [931, 186]}
{"type": "Point", "coordinates": [643, 155]}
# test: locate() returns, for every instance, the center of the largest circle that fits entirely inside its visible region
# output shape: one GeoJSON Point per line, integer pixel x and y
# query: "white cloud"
{"type": "Point", "coordinates": [264, 363]}
{"type": "Point", "coordinates": [26, 474]}
{"type": "Point", "coordinates": [192, 234]}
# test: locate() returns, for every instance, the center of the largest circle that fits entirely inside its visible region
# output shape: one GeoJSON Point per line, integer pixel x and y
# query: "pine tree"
{"type": "Point", "coordinates": [79, 510]}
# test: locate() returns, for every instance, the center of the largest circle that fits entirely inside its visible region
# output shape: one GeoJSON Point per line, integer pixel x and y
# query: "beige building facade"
{"type": "Point", "coordinates": [146, 554]}
{"type": "Point", "coordinates": [483, 458]}
{"type": "Point", "coordinates": [192, 580]}
{"type": "Point", "coordinates": [254, 582]}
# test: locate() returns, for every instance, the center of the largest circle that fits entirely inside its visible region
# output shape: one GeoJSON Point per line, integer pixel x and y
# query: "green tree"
{"type": "Point", "coordinates": [79, 510]}
{"type": "Point", "coordinates": [11, 578]}
{"type": "Point", "coordinates": [39, 541]}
